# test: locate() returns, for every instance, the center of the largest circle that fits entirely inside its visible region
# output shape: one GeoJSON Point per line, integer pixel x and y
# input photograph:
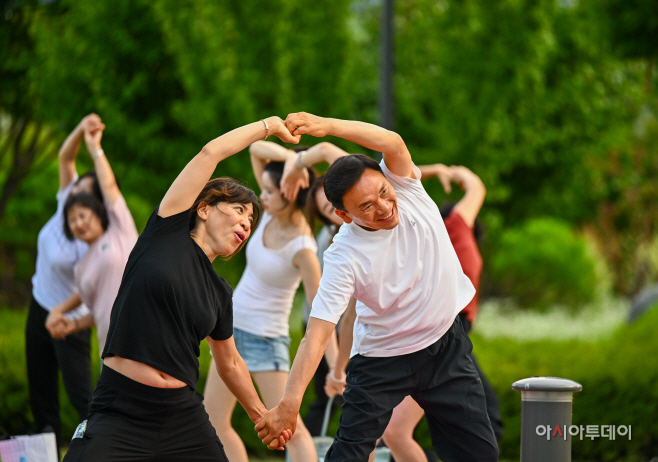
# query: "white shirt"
{"type": "Point", "coordinates": [263, 298]}
{"type": "Point", "coordinates": [53, 281]}
{"type": "Point", "coordinates": [408, 282]}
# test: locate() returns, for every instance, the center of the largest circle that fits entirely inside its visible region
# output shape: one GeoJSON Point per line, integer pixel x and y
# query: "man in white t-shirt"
{"type": "Point", "coordinates": [393, 255]}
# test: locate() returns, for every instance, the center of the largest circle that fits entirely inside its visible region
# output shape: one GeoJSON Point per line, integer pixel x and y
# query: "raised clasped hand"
{"type": "Point", "coordinates": [303, 123]}
{"type": "Point", "coordinates": [293, 178]}
{"type": "Point", "coordinates": [280, 130]}
{"type": "Point", "coordinates": [276, 428]}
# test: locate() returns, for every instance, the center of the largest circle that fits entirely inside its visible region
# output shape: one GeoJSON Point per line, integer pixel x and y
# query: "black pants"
{"type": "Point", "coordinates": [440, 378]}
{"type": "Point", "coordinates": [130, 421]}
{"type": "Point", "coordinates": [493, 406]}
{"type": "Point", "coordinates": [45, 356]}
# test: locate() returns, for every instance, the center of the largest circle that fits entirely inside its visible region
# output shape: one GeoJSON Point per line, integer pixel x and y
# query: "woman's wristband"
{"type": "Point", "coordinates": [267, 129]}
{"type": "Point", "coordinates": [333, 377]}
{"type": "Point", "coordinates": [298, 161]}
{"type": "Point", "coordinates": [97, 154]}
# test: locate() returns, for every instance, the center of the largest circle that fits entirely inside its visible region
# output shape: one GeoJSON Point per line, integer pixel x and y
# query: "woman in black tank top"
{"type": "Point", "coordinates": [145, 405]}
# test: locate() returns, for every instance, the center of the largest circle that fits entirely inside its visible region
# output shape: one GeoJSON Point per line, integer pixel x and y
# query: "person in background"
{"type": "Point", "coordinates": [317, 208]}
{"type": "Point", "coordinates": [145, 406]}
{"type": "Point", "coordinates": [281, 254]}
{"type": "Point", "coordinates": [109, 230]}
{"type": "Point", "coordinates": [54, 282]}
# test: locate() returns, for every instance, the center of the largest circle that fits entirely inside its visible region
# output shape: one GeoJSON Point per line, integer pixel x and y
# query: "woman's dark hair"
{"type": "Point", "coordinates": [95, 188]}
{"type": "Point", "coordinates": [90, 201]}
{"type": "Point", "coordinates": [275, 169]}
{"type": "Point", "coordinates": [312, 211]}
{"type": "Point", "coordinates": [226, 190]}
{"type": "Point", "coordinates": [478, 227]}
{"type": "Point", "coordinates": [344, 173]}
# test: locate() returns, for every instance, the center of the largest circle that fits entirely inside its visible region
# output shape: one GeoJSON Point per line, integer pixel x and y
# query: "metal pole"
{"type": "Point", "coordinates": [386, 67]}
{"type": "Point", "coordinates": [546, 411]}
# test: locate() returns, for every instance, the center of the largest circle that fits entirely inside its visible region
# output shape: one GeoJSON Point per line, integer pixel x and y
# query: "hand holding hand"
{"type": "Point", "coordinates": [54, 321]}
{"type": "Point", "coordinates": [91, 122]}
{"type": "Point", "coordinates": [303, 123]}
{"type": "Point", "coordinates": [293, 178]}
{"type": "Point", "coordinates": [277, 427]}
{"type": "Point", "coordinates": [277, 128]}
{"type": "Point", "coordinates": [445, 175]}
{"type": "Point", "coordinates": [463, 176]}
{"type": "Point", "coordinates": [333, 385]}
{"type": "Point", "coordinates": [93, 138]}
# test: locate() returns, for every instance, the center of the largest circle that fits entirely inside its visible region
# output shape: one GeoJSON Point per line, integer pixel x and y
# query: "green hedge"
{"type": "Point", "coordinates": [543, 262]}
{"type": "Point", "coordinates": [620, 387]}
{"type": "Point", "coordinates": [619, 377]}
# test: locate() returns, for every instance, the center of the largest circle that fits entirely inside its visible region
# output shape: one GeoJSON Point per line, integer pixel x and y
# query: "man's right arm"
{"type": "Point", "coordinates": [390, 144]}
{"type": "Point", "coordinates": [309, 354]}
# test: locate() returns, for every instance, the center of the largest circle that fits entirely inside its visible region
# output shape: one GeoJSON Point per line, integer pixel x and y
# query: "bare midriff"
{"type": "Point", "coordinates": [142, 373]}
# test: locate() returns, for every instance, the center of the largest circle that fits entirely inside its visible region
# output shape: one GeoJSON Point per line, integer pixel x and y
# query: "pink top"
{"type": "Point", "coordinates": [98, 273]}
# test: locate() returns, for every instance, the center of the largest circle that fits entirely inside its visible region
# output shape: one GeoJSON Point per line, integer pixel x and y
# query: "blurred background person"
{"type": "Point", "coordinates": [54, 282]}
{"type": "Point", "coordinates": [281, 254]}
{"type": "Point", "coordinates": [317, 208]}
{"type": "Point", "coordinates": [107, 226]}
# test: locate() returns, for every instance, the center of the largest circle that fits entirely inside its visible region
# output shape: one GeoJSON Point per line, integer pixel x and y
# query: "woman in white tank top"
{"type": "Point", "coordinates": [280, 254]}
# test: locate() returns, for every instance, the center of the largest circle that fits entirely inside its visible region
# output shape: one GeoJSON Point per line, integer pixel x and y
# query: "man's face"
{"type": "Point", "coordinates": [371, 203]}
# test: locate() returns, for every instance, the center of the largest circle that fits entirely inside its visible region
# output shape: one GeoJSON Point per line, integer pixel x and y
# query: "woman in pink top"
{"type": "Point", "coordinates": [109, 230]}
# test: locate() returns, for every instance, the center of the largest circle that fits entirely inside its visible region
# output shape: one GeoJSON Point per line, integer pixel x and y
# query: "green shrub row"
{"type": "Point", "coordinates": [619, 377]}
{"type": "Point", "coordinates": [542, 262]}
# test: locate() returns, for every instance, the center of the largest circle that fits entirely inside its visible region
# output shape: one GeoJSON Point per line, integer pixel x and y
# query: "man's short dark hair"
{"type": "Point", "coordinates": [343, 174]}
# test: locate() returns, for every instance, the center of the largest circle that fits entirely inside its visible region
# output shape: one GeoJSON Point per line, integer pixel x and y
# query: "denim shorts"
{"type": "Point", "coordinates": [262, 354]}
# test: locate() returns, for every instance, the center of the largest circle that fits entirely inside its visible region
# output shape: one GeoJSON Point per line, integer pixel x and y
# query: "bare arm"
{"type": "Point", "coordinates": [104, 173]}
{"type": "Point", "coordinates": [335, 381]}
{"type": "Point", "coordinates": [442, 172]}
{"type": "Point", "coordinates": [189, 183]}
{"type": "Point", "coordinates": [295, 177]}
{"type": "Point", "coordinates": [233, 371]}
{"type": "Point", "coordinates": [264, 152]}
{"type": "Point", "coordinates": [284, 415]}
{"type": "Point", "coordinates": [469, 206]}
{"type": "Point", "coordinates": [69, 150]}
{"type": "Point", "coordinates": [389, 143]}
{"type": "Point", "coordinates": [309, 267]}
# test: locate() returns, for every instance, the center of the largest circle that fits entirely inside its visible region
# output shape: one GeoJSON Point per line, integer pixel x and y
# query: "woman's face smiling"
{"type": "Point", "coordinates": [84, 223]}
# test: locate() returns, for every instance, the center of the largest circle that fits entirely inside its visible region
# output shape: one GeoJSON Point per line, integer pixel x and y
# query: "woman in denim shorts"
{"type": "Point", "coordinates": [280, 255]}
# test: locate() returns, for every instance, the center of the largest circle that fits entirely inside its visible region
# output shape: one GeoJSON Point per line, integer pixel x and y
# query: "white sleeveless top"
{"type": "Point", "coordinates": [263, 298]}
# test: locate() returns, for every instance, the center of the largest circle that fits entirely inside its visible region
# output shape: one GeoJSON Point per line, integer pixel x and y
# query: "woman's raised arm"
{"type": "Point", "coordinates": [189, 183]}
{"type": "Point", "coordinates": [104, 173]}
{"type": "Point", "coordinates": [69, 150]}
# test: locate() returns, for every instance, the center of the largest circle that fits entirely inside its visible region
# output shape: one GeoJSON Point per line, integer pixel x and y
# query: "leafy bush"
{"type": "Point", "coordinates": [618, 374]}
{"type": "Point", "coordinates": [542, 263]}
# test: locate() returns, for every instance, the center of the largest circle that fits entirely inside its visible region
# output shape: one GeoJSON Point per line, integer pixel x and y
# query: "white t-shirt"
{"type": "Point", "coordinates": [98, 274]}
{"type": "Point", "coordinates": [408, 282]}
{"type": "Point", "coordinates": [53, 281]}
{"type": "Point", "coordinates": [263, 298]}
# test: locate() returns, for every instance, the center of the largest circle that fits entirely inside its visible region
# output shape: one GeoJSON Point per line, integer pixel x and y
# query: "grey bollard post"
{"type": "Point", "coordinates": [546, 401]}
